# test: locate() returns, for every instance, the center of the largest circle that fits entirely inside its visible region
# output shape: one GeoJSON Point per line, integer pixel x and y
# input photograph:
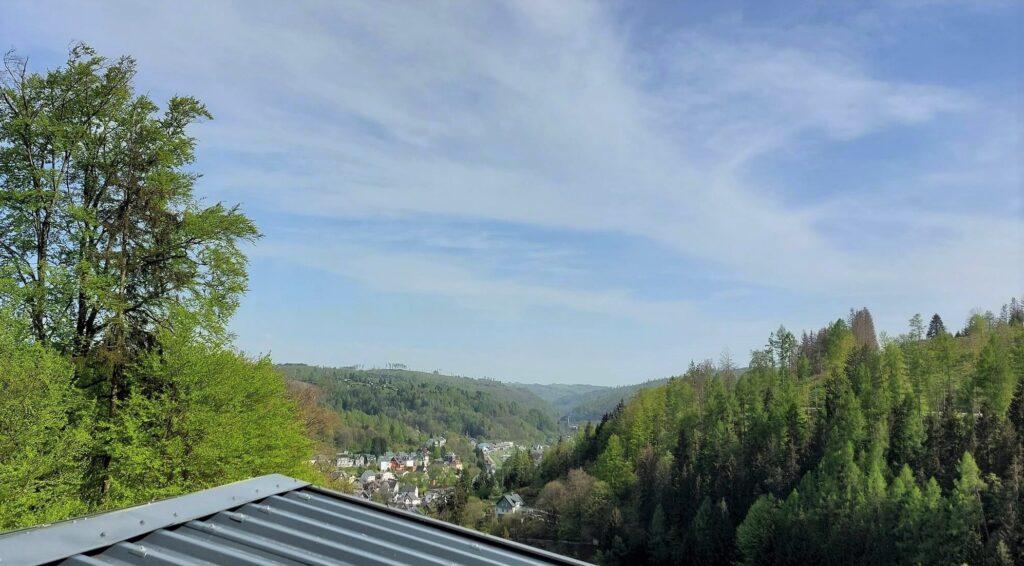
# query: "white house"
{"type": "Point", "coordinates": [408, 495]}
{"type": "Point", "coordinates": [509, 503]}
{"type": "Point", "coordinates": [344, 461]}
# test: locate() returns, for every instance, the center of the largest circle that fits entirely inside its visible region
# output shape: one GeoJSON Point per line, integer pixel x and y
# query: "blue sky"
{"type": "Point", "coordinates": [588, 192]}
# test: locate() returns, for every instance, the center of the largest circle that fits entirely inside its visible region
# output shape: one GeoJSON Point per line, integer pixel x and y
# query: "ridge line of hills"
{"type": "Point", "coordinates": [434, 403]}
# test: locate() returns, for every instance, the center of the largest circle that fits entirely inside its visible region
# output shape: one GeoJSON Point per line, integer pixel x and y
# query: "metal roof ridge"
{"type": "Point", "coordinates": [55, 541]}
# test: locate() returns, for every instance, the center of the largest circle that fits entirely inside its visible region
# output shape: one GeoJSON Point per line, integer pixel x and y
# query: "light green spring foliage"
{"type": "Point", "coordinates": [99, 226]}
{"type": "Point", "coordinates": [994, 376]}
{"type": "Point", "coordinates": [612, 467]}
{"type": "Point", "coordinates": [216, 417]}
{"type": "Point", "coordinates": [906, 452]}
{"type": "Point", "coordinates": [44, 432]}
{"type": "Point", "coordinates": [119, 383]}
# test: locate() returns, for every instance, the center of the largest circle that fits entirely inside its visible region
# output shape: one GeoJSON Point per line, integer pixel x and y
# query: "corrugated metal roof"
{"type": "Point", "coordinates": [268, 520]}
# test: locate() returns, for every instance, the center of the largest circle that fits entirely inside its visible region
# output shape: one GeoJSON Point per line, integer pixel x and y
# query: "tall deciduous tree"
{"type": "Point", "coordinates": [99, 226]}
{"type": "Point", "coordinates": [125, 282]}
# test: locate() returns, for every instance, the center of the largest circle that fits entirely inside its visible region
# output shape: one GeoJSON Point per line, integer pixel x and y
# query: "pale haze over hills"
{"type": "Point", "coordinates": [587, 192]}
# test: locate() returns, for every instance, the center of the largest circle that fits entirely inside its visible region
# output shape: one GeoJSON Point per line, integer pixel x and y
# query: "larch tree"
{"type": "Point", "coordinates": [863, 328]}
{"type": "Point", "coordinates": [612, 466]}
{"type": "Point", "coordinates": [994, 378]}
{"type": "Point", "coordinates": [917, 327]}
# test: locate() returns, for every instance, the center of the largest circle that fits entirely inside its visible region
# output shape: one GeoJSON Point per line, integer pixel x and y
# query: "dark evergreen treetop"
{"type": "Point", "coordinates": [935, 327]}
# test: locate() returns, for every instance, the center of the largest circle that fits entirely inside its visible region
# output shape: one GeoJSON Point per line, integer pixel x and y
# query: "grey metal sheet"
{"type": "Point", "coordinates": [287, 522]}
{"type": "Point", "coordinates": [48, 543]}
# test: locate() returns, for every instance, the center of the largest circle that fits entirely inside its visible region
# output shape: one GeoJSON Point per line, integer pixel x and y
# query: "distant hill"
{"type": "Point", "coordinates": [432, 403]}
{"type": "Point", "coordinates": [427, 403]}
{"type": "Point", "coordinates": [590, 405]}
{"type": "Point", "coordinates": [562, 397]}
{"type": "Point", "coordinates": [593, 405]}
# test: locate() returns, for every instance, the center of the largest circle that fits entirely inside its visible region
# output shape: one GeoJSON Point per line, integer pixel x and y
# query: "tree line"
{"type": "Point", "coordinates": [836, 447]}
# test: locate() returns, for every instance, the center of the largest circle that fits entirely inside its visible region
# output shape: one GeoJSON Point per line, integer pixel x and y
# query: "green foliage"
{"type": "Point", "coordinates": [44, 432]}
{"type": "Point", "coordinates": [835, 450]}
{"type": "Point", "coordinates": [431, 404]}
{"type": "Point", "coordinates": [936, 327]}
{"type": "Point", "coordinates": [517, 470]}
{"type": "Point", "coordinates": [116, 285]}
{"type": "Point", "coordinates": [994, 377]}
{"type": "Point", "coordinates": [99, 228]}
{"type": "Point", "coordinates": [205, 416]}
{"type": "Point", "coordinates": [755, 538]}
{"type": "Point", "coordinates": [350, 430]}
{"type": "Point", "coordinates": [612, 467]}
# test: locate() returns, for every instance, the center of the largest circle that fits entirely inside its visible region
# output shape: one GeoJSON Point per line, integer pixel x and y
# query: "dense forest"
{"type": "Point", "coordinates": [407, 405]}
{"type": "Point", "coordinates": [834, 447]}
{"type": "Point", "coordinates": [120, 383]}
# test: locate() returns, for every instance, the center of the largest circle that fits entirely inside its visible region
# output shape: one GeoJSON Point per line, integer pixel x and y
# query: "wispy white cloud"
{"type": "Point", "coordinates": [439, 275]}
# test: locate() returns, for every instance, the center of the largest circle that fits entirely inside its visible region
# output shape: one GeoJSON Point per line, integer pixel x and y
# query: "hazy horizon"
{"type": "Point", "coordinates": [587, 192]}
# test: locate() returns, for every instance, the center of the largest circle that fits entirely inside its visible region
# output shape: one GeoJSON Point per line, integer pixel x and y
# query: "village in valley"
{"type": "Point", "coordinates": [425, 480]}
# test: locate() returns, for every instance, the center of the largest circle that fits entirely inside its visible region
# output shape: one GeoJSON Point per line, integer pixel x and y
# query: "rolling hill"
{"type": "Point", "coordinates": [434, 404]}
{"type": "Point", "coordinates": [562, 397]}
{"type": "Point", "coordinates": [593, 405]}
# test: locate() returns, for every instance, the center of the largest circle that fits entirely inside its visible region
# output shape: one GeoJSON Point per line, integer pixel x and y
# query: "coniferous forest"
{"type": "Point", "coordinates": [833, 447]}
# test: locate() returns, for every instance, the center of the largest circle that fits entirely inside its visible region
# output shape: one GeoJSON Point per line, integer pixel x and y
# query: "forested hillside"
{"type": "Point", "coordinates": [595, 404]}
{"type": "Point", "coordinates": [562, 397]}
{"type": "Point", "coordinates": [831, 448]}
{"type": "Point", "coordinates": [118, 377]}
{"type": "Point", "coordinates": [420, 403]}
